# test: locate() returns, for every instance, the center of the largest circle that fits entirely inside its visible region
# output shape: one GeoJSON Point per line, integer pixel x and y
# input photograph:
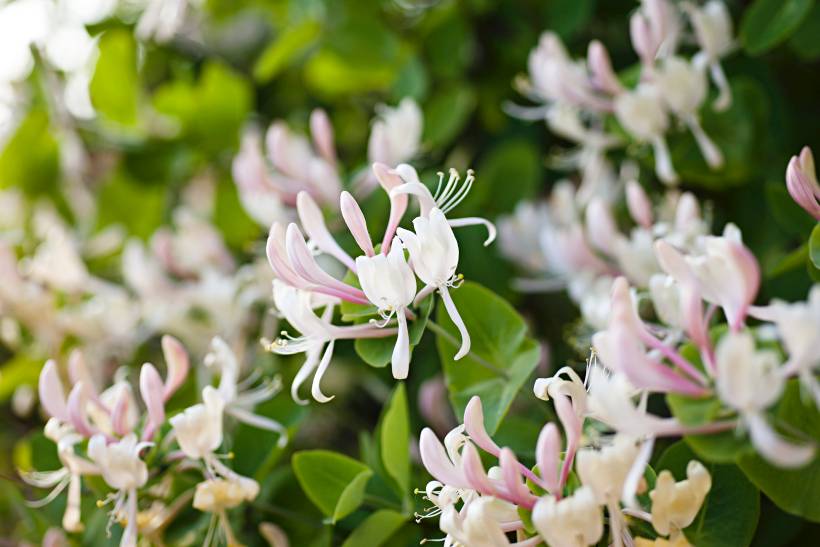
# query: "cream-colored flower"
{"type": "Point", "coordinates": [675, 504]}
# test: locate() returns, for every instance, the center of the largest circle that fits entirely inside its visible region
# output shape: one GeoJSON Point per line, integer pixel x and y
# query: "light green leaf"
{"type": "Point", "coordinates": [446, 115]}
{"type": "Point", "coordinates": [394, 439]}
{"type": "Point", "coordinates": [730, 512]}
{"type": "Point", "coordinates": [291, 43]}
{"type": "Point", "coordinates": [767, 23]}
{"type": "Point", "coordinates": [30, 159]}
{"type": "Point", "coordinates": [332, 75]}
{"type": "Point", "coordinates": [501, 358]}
{"type": "Point", "coordinates": [796, 491]}
{"type": "Point", "coordinates": [334, 482]}
{"type": "Point", "coordinates": [376, 529]}
{"type": "Point", "coordinates": [814, 246]}
{"type": "Point", "coordinates": [115, 86]}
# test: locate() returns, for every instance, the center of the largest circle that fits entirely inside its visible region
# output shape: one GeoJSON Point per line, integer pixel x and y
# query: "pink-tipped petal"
{"type": "Point", "coordinates": [601, 227]}
{"type": "Point", "coordinates": [547, 456]}
{"type": "Point", "coordinates": [119, 414]}
{"type": "Point", "coordinates": [775, 448]}
{"type": "Point", "coordinates": [356, 223]}
{"type": "Point", "coordinates": [603, 76]}
{"type": "Point", "coordinates": [314, 225]}
{"type": "Point", "coordinates": [51, 392]}
{"type": "Point", "coordinates": [152, 392]}
{"type": "Point", "coordinates": [322, 133]}
{"type": "Point", "coordinates": [474, 472]}
{"type": "Point", "coordinates": [474, 426]}
{"type": "Point", "coordinates": [177, 362]}
{"type": "Point", "coordinates": [514, 483]}
{"type": "Point", "coordinates": [77, 400]}
{"type": "Point", "coordinates": [389, 180]}
{"type": "Point", "coordinates": [492, 232]}
{"type": "Point", "coordinates": [640, 208]}
{"type": "Point", "coordinates": [278, 258]}
{"type": "Point", "coordinates": [438, 464]}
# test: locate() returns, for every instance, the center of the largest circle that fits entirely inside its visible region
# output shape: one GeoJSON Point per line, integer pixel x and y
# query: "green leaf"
{"type": "Point", "coordinates": [796, 491]}
{"type": "Point", "coordinates": [332, 75]}
{"type": "Point", "coordinates": [514, 165]}
{"type": "Point", "coordinates": [30, 159]}
{"type": "Point", "coordinates": [394, 439]}
{"type": "Point", "coordinates": [115, 84]}
{"type": "Point", "coordinates": [814, 246]}
{"type": "Point", "coordinates": [767, 23]}
{"type": "Point", "coordinates": [566, 17]}
{"type": "Point", "coordinates": [789, 216]}
{"type": "Point", "coordinates": [730, 512]}
{"type": "Point", "coordinates": [210, 111]}
{"type": "Point", "coordinates": [501, 357]}
{"type": "Point", "coordinates": [376, 529]}
{"type": "Point", "coordinates": [804, 42]}
{"type": "Point", "coordinates": [334, 482]}
{"type": "Point", "coordinates": [120, 197]}
{"type": "Point", "coordinates": [20, 370]}
{"type": "Point", "coordinates": [292, 42]}
{"type": "Point", "coordinates": [446, 115]}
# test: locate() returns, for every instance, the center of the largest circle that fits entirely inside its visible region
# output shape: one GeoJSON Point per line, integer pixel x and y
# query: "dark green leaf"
{"type": "Point", "coordinates": [796, 491]}
{"type": "Point", "coordinates": [767, 23]}
{"type": "Point", "coordinates": [814, 246]}
{"type": "Point", "coordinates": [446, 115]}
{"type": "Point", "coordinates": [291, 43]}
{"type": "Point", "coordinates": [501, 358]}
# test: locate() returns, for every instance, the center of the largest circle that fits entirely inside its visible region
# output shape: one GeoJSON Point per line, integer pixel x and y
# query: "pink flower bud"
{"type": "Point", "coordinates": [801, 182]}
{"type": "Point", "coordinates": [356, 223]}
{"type": "Point", "coordinates": [603, 76]}
{"type": "Point", "coordinates": [51, 392]}
{"type": "Point", "coordinates": [638, 204]}
{"type": "Point", "coordinates": [474, 426]}
{"type": "Point", "coordinates": [322, 133]}
{"type": "Point", "coordinates": [601, 227]}
{"type": "Point", "coordinates": [176, 361]}
{"type": "Point", "coordinates": [152, 392]}
{"type": "Point", "coordinates": [547, 456]}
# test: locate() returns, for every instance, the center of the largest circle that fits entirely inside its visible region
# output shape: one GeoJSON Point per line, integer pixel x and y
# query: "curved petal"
{"type": "Point", "coordinates": [452, 311]}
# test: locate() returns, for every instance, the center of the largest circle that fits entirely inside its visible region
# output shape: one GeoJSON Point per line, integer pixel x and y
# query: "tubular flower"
{"type": "Point", "coordinates": [675, 504]}
{"type": "Point", "coordinates": [801, 182]}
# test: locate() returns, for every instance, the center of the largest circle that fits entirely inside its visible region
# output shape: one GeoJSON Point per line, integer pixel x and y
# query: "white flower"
{"type": "Point", "coordinates": [713, 29]}
{"type": "Point", "coordinates": [479, 523]}
{"type": "Point", "coordinates": [675, 504]}
{"type": "Point", "coordinates": [643, 114]}
{"type": "Point", "coordinates": [389, 283]}
{"type": "Point", "coordinates": [396, 134]}
{"type": "Point", "coordinates": [797, 326]}
{"type": "Point", "coordinates": [605, 470]}
{"type": "Point", "coordinates": [216, 495]}
{"type": "Point", "coordinates": [571, 522]}
{"type": "Point", "coordinates": [119, 462]}
{"type": "Point", "coordinates": [750, 381]}
{"type": "Point", "coordinates": [434, 253]}
{"type": "Point", "coordinates": [198, 428]}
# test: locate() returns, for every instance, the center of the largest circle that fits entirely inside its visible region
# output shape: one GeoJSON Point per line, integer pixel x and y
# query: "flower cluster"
{"type": "Point", "coordinates": [269, 184]}
{"type": "Point", "coordinates": [381, 280]}
{"type": "Point", "coordinates": [579, 95]}
{"type": "Point", "coordinates": [511, 504]}
{"type": "Point", "coordinates": [582, 249]}
{"type": "Point", "coordinates": [138, 450]}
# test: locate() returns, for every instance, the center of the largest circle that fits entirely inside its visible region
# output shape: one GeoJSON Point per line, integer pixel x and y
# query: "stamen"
{"type": "Point", "coordinates": [451, 186]}
{"type": "Point", "coordinates": [438, 187]}
{"type": "Point", "coordinates": [462, 192]}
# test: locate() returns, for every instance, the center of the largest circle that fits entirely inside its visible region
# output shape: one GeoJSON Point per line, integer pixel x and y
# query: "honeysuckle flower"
{"type": "Point", "coordinates": [395, 137]}
{"type": "Point", "coordinates": [643, 114]}
{"type": "Point", "coordinates": [576, 520]}
{"type": "Point", "coordinates": [750, 380]}
{"type": "Point", "coordinates": [389, 283]}
{"type": "Point", "coordinates": [726, 273]}
{"type": "Point", "coordinates": [434, 253]}
{"type": "Point", "coordinates": [123, 470]}
{"type": "Point", "coordinates": [479, 524]}
{"type": "Point", "coordinates": [683, 87]}
{"type": "Point", "coordinates": [217, 495]}
{"type": "Point", "coordinates": [655, 30]}
{"type": "Point", "coordinates": [713, 30]}
{"type": "Point", "coordinates": [69, 475]}
{"type": "Point", "coordinates": [604, 471]}
{"type": "Point", "coordinates": [239, 403]}
{"type": "Point", "coordinates": [318, 335]}
{"type": "Point", "coordinates": [675, 504]}
{"type": "Point", "coordinates": [797, 326]}
{"type": "Point", "coordinates": [198, 429]}
{"type": "Point", "coordinates": [801, 182]}
{"type": "Point", "coordinates": [264, 202]}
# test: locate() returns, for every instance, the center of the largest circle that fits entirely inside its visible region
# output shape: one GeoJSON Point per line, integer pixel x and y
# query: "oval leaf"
{"type": "Point", "coordinates": [334, 482]}
{"type": "Point", "coordinates": [767, 23]}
